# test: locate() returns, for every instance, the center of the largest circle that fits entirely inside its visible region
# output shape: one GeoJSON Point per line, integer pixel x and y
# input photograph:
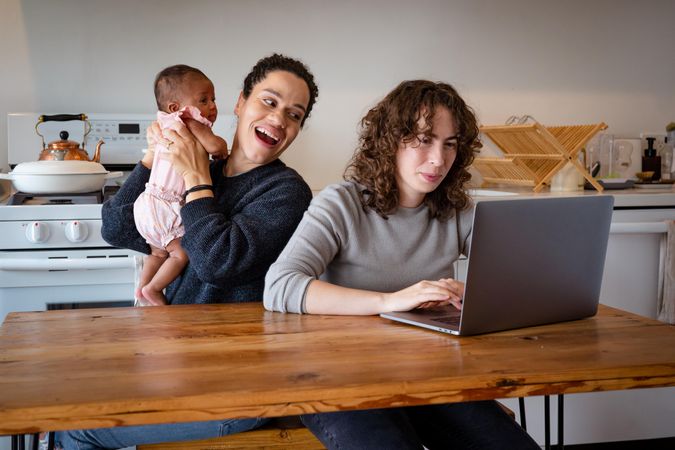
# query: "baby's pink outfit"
{"type": "Point", "coordinates": [157, 209]}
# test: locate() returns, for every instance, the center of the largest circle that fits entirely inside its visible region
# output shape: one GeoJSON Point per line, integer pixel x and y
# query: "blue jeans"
{"type": "Point", "coordinates": [114, 438]}
{"type": "Point", "coordinates": [475, 425]}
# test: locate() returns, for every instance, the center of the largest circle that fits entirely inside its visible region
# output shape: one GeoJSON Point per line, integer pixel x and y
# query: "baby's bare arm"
{"type": "Point", "coordinates": [214, 145]}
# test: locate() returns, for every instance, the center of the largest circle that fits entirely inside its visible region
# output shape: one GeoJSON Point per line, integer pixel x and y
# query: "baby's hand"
{"type": "Point", "coordinates": [214, 145]}
{"type": "Point", "coordinates": [196, 127]}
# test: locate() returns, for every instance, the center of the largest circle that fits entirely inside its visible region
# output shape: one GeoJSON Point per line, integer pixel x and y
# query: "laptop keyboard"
{"type": "Point", "coordinates": [448, 320]}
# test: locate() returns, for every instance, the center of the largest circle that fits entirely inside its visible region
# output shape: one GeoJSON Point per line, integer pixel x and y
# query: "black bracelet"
{"type": "Point", "coordinates": [199, 187]}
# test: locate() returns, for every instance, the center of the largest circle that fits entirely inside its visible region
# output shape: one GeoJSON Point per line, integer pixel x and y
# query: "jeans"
{"type": "Point", "coordinates": [114, 438]}
{"type": "Point", "coordinates": [475, 425]}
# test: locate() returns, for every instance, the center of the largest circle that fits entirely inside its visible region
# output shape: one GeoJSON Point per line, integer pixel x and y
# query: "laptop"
{"type": "Point", "coordinates": [532, 261]}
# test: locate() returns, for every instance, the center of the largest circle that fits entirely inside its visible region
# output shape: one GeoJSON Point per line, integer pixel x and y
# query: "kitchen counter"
{"type": "Point", "coordinates": [623, 198]}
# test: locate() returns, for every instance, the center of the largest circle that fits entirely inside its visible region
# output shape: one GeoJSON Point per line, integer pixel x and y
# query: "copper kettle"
{"type": "Point", "coordinates": [63, 149]}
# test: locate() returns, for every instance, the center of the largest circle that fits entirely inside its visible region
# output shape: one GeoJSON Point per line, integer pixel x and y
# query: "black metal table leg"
{"type": "Point", "coordinates": [35, 441]}
{"type": "Point", "coordinates": [18, 442]}
{"type": "Point", "coordinates": [521, 407]}
{"type": "Point", "coordinates": [547, 422]}
{"type": "Point", "coordinates": [561, 423]}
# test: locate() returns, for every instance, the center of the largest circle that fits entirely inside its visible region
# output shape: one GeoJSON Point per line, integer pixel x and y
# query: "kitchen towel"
{"type": "Point", "coordinates": [666, 303]}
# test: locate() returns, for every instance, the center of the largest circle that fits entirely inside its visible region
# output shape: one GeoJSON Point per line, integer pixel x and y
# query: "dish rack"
{"type": "Point", "coordinates": [533, 153]}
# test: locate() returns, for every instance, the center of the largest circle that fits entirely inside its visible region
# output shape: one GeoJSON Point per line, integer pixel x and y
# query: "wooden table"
{"type": "Point", "coordinates": [128, 366]}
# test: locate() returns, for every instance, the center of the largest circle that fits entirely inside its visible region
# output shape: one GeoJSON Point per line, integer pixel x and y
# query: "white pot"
{"type": "Point", "coordinates": [57, 177]}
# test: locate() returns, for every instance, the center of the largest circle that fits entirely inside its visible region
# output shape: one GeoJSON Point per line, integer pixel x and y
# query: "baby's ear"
{"type": "Point", "coordinates": [173, 107]}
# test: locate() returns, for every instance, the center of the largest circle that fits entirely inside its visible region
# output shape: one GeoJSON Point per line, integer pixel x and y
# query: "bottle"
{"type": "Point", "coordinates": [666, 160]}
{"type": "Point", "coordinates": [650, 161]}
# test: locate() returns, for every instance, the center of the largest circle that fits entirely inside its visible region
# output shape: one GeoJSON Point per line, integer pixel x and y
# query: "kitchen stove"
{"type": "Point", "coordinates": [52, 254]}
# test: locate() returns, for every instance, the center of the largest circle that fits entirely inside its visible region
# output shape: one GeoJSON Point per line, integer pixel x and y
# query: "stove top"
{"type": "Point", "coordinates": [22, 206]}
{"type": "Point", "coordinates": [24, 198]}
{"type": "Point", "coordinates": [87, 198]}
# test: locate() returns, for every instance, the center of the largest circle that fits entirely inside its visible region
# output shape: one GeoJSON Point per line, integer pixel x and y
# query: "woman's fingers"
{"type": "Point", "coordinates": [439, 303]}
{"type": "Point", "coordinates": [424, 293]}
{"type": "Point", "coordinates": [170, 137]}
{"type": "Point", "coordinates": [441, 292]}
{"type": "Point", "coordinates": [182, 131]}
{"type": "Point", "coordinates": [153, 133]}
{"type": "Point", "coordinates": [439, 289]}
{"type": "Point", "coordinates": [454, 285]}
{"type": "Point", "coordinates": [187, 156]}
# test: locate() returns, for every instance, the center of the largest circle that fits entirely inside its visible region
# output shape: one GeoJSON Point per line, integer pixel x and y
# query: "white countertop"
{"type": "Point", "coordinates": [623, 198]}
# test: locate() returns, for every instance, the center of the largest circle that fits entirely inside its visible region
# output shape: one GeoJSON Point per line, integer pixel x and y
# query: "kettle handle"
{"type": "Point", "coordinates": [63, 118]}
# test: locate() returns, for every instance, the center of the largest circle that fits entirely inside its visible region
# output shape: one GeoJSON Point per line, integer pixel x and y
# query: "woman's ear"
{"type": "Point", "coordinates": [240, 103]}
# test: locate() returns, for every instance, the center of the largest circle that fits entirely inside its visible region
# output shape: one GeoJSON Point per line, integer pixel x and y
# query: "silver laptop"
{"type": "Point", "coordinates": [532, 261]}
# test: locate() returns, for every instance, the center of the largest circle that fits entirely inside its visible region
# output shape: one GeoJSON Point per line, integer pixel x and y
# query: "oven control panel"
{"type": "Point", "coordinates": [124, 138]}
{"type": "Point", "coordinates": [41, 234]}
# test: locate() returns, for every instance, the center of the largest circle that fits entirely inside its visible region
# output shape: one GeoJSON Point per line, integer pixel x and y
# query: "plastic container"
{"type": "Point", "coordinates": [567, 179]}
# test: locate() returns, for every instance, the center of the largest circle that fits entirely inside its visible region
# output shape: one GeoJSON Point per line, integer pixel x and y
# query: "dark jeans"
{"type": "Point", "coordinates": [475, 425]}
{"type": "Point", "coordinates": [114, 438]}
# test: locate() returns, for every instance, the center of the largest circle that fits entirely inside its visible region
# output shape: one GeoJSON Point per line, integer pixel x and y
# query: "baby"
{"type": "Point", "coordinates": [184, 95]}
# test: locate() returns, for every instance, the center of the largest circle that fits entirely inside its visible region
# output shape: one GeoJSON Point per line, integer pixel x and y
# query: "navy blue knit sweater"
{"type": "Point", "coordinates": [231, 239]}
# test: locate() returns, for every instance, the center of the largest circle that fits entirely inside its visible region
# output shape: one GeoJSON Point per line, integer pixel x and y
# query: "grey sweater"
{"type": "Point", "coordinates": [230, 239]}
{"type": "Point", "coordinates": [338, 242]}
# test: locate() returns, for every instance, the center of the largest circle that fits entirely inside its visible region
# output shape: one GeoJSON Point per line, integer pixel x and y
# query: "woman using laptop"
{"type": "Point", "coordinates": [386, 240]}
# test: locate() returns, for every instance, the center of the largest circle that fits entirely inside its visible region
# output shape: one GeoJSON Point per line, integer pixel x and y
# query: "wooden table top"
{"type": "Point", "coordinates": [129, 366]}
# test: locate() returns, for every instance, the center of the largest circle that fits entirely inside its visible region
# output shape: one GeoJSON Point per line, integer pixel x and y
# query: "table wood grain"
{"type": "Point", "coordinates": [130, 366]}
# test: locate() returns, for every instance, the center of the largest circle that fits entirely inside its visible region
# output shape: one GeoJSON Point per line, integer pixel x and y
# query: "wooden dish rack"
{"type": "Point", "coordinates": [533, 153]}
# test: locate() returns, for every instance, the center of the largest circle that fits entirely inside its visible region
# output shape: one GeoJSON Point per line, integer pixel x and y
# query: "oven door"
{"type": "Point", "coordinates": [62, 278]}
{"type": "Point", "coordinates": [634, 268]}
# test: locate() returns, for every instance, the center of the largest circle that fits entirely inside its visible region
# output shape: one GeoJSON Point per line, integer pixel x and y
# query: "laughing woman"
{"type": "Point", "coordinates": [236, 226]}
{"type": "Point", "coordinates": [405, 185]}
{"type": "Point", "coordinates": [236, 222]}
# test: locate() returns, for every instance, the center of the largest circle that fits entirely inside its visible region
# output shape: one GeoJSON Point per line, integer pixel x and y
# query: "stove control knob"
{"type": "Point", "coordinates": [37, 232]}
{"type": "Point", "coordinates": [76, 231]}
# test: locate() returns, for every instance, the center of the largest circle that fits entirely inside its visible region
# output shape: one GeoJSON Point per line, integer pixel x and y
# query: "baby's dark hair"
{"type": "Point", "coordinates": [168, 80]}
{"type": "Point", "coordinates": [280, 62]}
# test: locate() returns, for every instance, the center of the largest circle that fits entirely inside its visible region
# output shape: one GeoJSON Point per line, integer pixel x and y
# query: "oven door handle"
{"type": "Point", "coordinates": [27, 264]}
{"type": "Point", "coordinates": [638, 227]}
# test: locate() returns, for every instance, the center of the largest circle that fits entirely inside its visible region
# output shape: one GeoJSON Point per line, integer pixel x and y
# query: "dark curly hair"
{"type": "Point", "coordinates": [168, 81]}
{"type": "Point", "coordinates": [395, 121]}
{"type": "Point", "coordinates": [280, 62]}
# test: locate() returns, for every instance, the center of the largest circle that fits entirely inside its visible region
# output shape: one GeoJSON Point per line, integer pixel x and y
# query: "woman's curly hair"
{"type": "Point", "coordinates": [395, 121]}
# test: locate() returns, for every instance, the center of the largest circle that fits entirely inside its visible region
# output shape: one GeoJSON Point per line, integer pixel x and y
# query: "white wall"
{"type": "Point", "coordinates": [571, 62]}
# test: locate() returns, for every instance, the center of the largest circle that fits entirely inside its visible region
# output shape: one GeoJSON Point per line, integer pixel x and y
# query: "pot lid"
{"type": "Point", "coordinates": [64, 143]}
{"type": "Point", "coordinates": [69, 167]}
